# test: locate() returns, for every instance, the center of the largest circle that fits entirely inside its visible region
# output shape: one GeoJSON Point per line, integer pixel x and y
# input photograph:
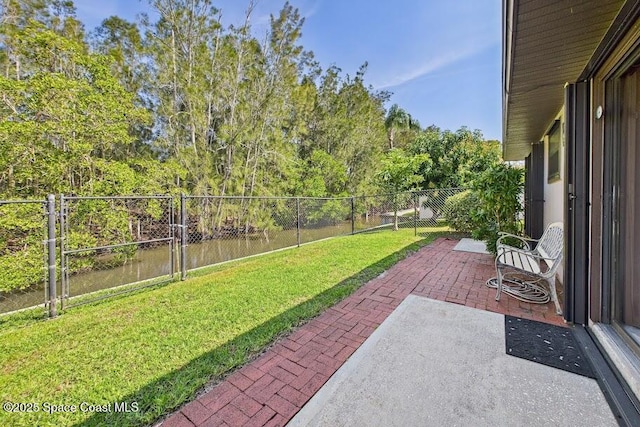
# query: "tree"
{"type": "Point", "coordinates": [400, 123]}
{"type": "Point", "coordinates": [15, 15]}
{"type": "Point", "coordinates": [122, 41]}
{"type": "Point", "coordinates": [498, 190]}
{"type": "Point", "coordinates": [182, 54]}
{"type": "Point", "coordinates": [399, 172]}
{"type": "Point", "coordinates": [457, 156]}
{"type": "Point", "coordinates": [66, 122]}
{"type": "Point", "coordinates": [65, 128]}
{"type": "Point", "coordinates": [347, 122]}
{"type": "Point", "coordinates": [224, 113]}
{"type": "Point", "coordinates": [322, 176]}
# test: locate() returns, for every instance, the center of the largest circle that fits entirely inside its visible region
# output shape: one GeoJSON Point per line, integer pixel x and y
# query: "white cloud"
{"type": "Point", "coordinates": [312, 10]}
{"type": "Point", "coordinates": [431, 64]}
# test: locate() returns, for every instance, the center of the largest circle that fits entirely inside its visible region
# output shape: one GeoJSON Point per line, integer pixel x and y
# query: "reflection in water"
{"type": "Point", "coordinates": [156, 262]}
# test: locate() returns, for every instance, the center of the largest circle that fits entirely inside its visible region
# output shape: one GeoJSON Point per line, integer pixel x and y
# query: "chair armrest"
{"type": "Point", "coordinates": [522, 239]}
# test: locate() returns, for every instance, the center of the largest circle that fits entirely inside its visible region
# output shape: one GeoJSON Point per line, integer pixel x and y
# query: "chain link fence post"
{"type": "Point", "coordinates": [395, 211]}
{"type": "Point", "coordinates": [63, 258]}
{"type": "Point", "coordinates": [172, 234]}
{"type": "Point", "coordinates": [415, 213]}
{"type": "Point", "coordinates": [298, 220]}
{"type": "Point", "coordinates": [183, 237]}
{"type": "Point", "coordinates": [353, 215]}
{"type": "Point", "coordinates": [51, 249]}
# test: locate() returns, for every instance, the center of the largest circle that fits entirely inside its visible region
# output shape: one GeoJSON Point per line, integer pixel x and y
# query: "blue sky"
{"type": "Point", "coordinates": [441, 59]}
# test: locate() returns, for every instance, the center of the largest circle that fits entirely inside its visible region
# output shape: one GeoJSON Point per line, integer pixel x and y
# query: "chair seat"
{"type": "Point", "coordinates": [517, 260]}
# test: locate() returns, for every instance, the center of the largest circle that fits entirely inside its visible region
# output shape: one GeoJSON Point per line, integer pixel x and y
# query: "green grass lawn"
{"type": "Point", "coordinates": [157, 348]}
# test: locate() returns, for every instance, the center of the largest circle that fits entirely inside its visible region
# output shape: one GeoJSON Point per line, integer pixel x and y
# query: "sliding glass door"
{"type": "Point", "coordinates": [622, 182]}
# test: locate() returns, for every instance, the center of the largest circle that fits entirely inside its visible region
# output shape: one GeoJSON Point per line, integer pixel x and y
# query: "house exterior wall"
{"type": "Point", "coordinates": [554, 192]}
{"type": "Point", "coordinates": [592, 272]}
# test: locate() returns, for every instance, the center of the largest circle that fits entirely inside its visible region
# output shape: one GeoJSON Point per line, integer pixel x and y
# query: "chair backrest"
{"type": "Point", "coordinates": [550, 244]}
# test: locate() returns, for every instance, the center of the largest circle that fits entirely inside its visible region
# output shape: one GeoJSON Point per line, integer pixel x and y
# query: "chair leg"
{"type": "Point", "coordinates": [499, 283]}
{"type": "Point", "coordinates": [554, 295]}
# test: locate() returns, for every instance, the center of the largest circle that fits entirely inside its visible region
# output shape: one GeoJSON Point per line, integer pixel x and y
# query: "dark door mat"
{"type": "Point", "coordinates": [550, 345]}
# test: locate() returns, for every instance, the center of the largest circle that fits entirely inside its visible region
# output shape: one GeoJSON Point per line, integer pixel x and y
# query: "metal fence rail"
{"type": "Point", "coordinates": [88, 248]}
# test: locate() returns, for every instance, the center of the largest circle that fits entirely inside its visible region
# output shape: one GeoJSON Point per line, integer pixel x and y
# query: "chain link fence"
{"type": "Point", "coordinates": [115, 244]}
{"type": "Point", "coordinates": [420, 210]}
{"type": "Point", "coordinates": [323, 218]}
{"type": "Point", "coordinates": [110, 245]}
{"type": "Point", "coordinates": [432, 208]}
{"type": "Point", "coordinates": [373, 212]}
{"type": "Point", "coordinates": [221, 229]}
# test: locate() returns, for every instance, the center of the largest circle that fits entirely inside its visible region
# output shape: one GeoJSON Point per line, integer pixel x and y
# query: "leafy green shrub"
{"type": "Point", "coordinates": [20, 270]}
{"type": "Point", "coordinates": [21, 249]}
{"type": "Point", "coordinates": [458, 211]}
{"type": "Point", "coordinates": [498, 190]}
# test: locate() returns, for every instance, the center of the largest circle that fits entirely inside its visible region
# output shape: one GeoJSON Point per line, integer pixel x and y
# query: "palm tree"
{"type": "Point", "coordinates": [398, 119]}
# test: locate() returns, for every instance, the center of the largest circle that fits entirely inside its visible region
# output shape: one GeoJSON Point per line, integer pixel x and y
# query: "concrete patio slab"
{"type": "Point", "coordinates": [470, 245]}
{"type": "Point", "coordinates": [433, 363]}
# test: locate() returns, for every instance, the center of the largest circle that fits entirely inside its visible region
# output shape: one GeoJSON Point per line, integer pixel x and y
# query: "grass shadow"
{"type": "Point", "coordinates": [169, 392]}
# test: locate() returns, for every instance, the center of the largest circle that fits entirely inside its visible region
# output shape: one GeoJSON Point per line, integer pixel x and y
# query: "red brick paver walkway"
{"type": "Point", "coordinates": [274, 387]}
